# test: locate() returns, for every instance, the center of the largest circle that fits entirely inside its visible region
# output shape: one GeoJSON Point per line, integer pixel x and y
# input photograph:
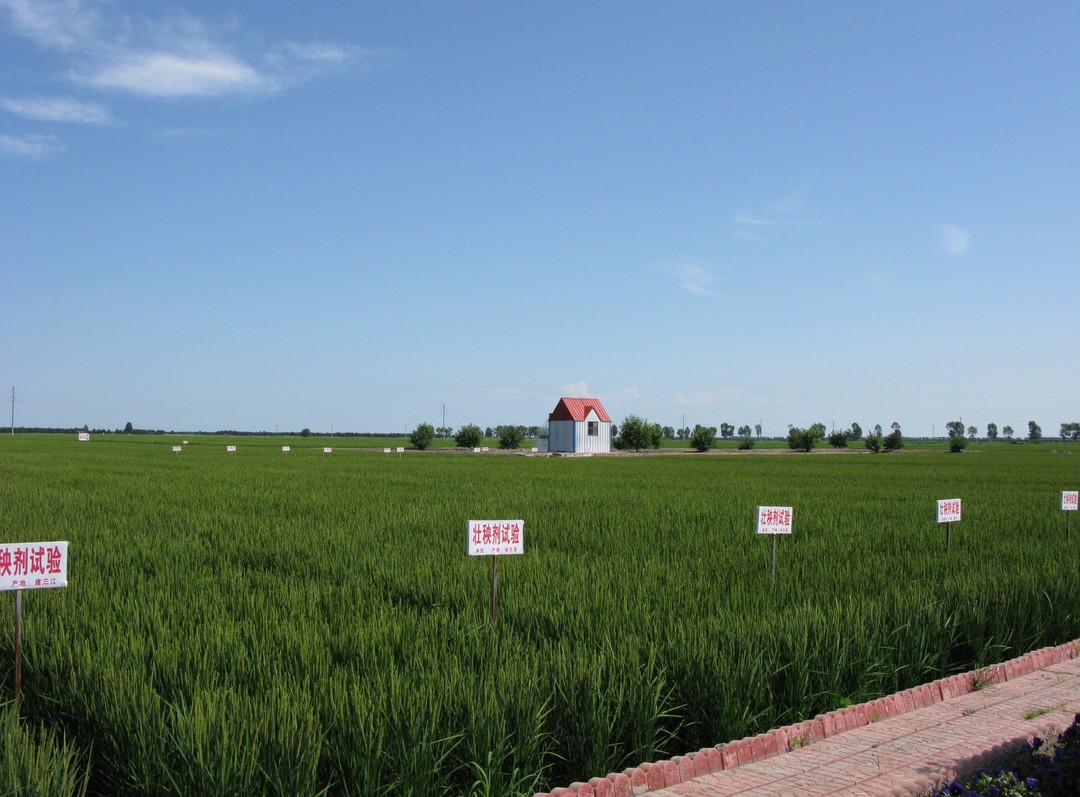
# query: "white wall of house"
{"type": "Point", "coordinates": [574, 435]}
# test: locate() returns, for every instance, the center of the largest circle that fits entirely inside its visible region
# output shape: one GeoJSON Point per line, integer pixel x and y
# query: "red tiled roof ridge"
{"type": "Point", "coordinates": [578, 409]}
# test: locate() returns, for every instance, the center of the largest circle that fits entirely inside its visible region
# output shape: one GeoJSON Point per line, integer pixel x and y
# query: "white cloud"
{"type": "Point", "coordinates": [58, 109]}
{"type": "Point", "coordinates": [167, 75]}
{"type": "Point", "coordinates": [689, 276]}
{"type": "Point", "coordinates": [953, 240]}
{"type": "Point", "coordinates": [34, 146]}
{"type": "Point", "coordinates": [66, 25]}
{"type": "Point", "coordinates": [708, 398]}
{"type": "Point", "coordinates": [174, 55]}
{"type": "Point", "coordinates": [577, 390]}
{"type": "Point", "coordinates": [783, 212]}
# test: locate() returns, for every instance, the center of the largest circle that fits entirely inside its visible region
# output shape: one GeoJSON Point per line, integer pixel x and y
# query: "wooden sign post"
{"type": "Point", "coordinates": [774, 520]}
{"type": "Point", "coordinates": [494, 537]}
{"type": "Point", "coordinates": [30, 565]}
{"type": "Point", "coordinates": [948, 512]}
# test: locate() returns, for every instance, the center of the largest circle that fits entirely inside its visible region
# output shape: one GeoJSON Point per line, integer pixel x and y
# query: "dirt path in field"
{"type": "Point", "coordinates": [909, 743]}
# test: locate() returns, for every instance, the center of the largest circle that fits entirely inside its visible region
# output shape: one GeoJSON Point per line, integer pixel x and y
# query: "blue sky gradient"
{"type": "Point", "coordinates": [345, 216]}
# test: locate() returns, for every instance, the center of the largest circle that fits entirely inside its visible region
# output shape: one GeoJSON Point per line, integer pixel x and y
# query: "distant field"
{"type": "Point", "coordinates": [262, 622]}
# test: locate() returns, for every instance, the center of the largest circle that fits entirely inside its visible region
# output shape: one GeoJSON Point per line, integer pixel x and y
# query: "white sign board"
{"type": "Point", "coordinates": [328, 450]}
{"type": "Point", "coordinates": [177, 449]}
{"type": "Point", "coordinates": [401, 450]}
{"type": "Point", "coordinates": [33, 565]}
{"type": "Point", "coordinates": [230, 449]}
{"type": "Point", "coordinates": [286, 449]}
{"type": "Point", "coordinates": [774, 519]}
{"type": "Point", "coordinates": [476, 450]}
{"type": "Point", "coordinates": [84, 437]}
{"type": "Point", "coordinates": [948, 510]}
{"type": "Point", "coordinates": [1070, 500]}
{"type": "Point", "coordinates": [496, 537]}
{"type": "Point", "coordinates": [386, 450]}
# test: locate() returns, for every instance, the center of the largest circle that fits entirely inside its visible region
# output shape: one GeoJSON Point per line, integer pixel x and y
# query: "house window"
{"type": "Point", "coordinates": [594, 428]}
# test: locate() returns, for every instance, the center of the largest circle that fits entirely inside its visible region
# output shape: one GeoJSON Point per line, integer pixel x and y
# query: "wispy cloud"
{"type": "Point", "coordinates": [783, 212]}
{"type": "Point", "coordinates": [691, 277]}
{"type": "Point", "coordinates": [168, 75]}
{"type": "Point", "coordinates": [174, 55]}
{"type": "Point", "coordinates": [581, 390]}
{"type": "Point", "coordinates": [58, 109]}
{"type": "Point", "coordinates": [952, 239]}
{"type": "Point", "coordinates": [708, 398]}
{"type": "Point", "coordinates": [35, 146]}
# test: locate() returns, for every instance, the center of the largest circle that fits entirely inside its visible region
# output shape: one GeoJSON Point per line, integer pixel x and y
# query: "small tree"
{"type": "Point", "coordinates": [972, 432]}
{"type": "Point", "coordinates": [757, 430]}
{"type": "Point", "coordinates": [991, 431]}
{"type": "Point", "coordinates": [839, 439]}
{"type": "Point", "coordinates": [893, 441]}
{"type": "Point", "coordinates": [957, 441]}
{"type": "Point", "coordinates": [743, 431]}
{"type": "Point", "coordinates": [703, 438]}
{"type": "Point", "coordinates": [305, 432]}
{"type": "Point", "coordinates": [468, 436]}
{"type": "Point", "coordinates": [511, 437]}
{"type": "Point", "coordinates": [422, 436]}
{"type": "Point", "coordinates": [873, 442]}
{"type": "Point", "coordinates": [727, 430]}
{"type": "Point", "coordinates": [1034, 432]}
{"type": "Point", "coordinates": [1007, 431]}
{"type": "Point", "coordinates": [804, 439]}
{"type": "Point", "coordinates": [856, 431]}
{"type": "Point", "coordinates": [634, 434]}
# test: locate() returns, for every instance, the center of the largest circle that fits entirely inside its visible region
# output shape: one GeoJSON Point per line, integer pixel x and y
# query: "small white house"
{"type": "Point", "coordinates": [579, 426]}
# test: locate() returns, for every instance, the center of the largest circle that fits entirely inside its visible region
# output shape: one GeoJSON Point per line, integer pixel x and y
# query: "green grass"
{"type": "Point", "coordinates": [310, 623]}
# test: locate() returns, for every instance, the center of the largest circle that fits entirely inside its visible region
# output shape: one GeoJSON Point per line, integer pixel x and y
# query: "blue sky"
{"type": "Point", "coordinates": [346, 216]}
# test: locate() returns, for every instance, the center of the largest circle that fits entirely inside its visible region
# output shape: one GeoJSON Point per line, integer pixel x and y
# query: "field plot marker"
{"type": "Point", "coordinates": [30, 565]}
{"type": "Point", "coordinates": [177, 449]}
{"type": "Point", "coordinates": [494, 537]}
{"type": "Point", "coordinates": [774, 520]}
{"type": "Point", "coordinates": [948, 512]}
{"type": "Point", "coordinates": [1070, 501]}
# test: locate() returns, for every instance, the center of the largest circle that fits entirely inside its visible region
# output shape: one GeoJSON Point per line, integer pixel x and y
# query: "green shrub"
{"type": "Point", "coordinates": [469, 436]}
{"type": "Point", "coordinates": [703, 438]}
{"type": "Point", "coordinates": [422, 436]}
{"type": "Point", "coordinates": [510, 437]}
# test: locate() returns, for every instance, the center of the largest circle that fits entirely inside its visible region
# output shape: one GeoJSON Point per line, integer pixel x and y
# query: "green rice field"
{"type": "Point", "coordinates": [310, 623]}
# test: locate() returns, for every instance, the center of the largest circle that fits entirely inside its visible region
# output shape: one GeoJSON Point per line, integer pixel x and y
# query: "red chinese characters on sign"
{"type": "Point", "coordinates": [496, 537]}
{"type": "Point", "coordinates": [948, 510]}
{"type": "Point", "coordinates": [774, 520]}
{"type": "Point", "coordinates": [1070, 500]}
{"type": "Point", "coordinates": [33, 565]}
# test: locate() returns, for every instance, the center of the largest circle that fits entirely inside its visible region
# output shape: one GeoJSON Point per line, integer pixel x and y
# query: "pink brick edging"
{"type": "Point", "coordinates": [661, 774]}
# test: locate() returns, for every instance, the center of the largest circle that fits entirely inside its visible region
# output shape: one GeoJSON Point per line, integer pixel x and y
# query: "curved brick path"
{"type": "Point", "coordinates": [904, 744]}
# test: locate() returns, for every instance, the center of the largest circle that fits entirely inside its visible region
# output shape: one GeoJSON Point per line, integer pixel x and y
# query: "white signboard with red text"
{"type": "Point", "coordinates": [84, 437]}
{"type": "Point", "coordinates": [948, 510]}
{"type": "Point", "coordinates": [496, 537]}
{"type": "Point", "coordinates": [33, 565]}
{"type": "Point", "coordinates": [774, 520]}
{"type": "Point", "coordinates": [1070, 500]}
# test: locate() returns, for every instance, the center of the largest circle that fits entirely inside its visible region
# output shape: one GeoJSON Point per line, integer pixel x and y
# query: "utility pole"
{"type": "Point", "coordinates": [13, 410]}
{"type": "Point", "coordinates": [444, 418]}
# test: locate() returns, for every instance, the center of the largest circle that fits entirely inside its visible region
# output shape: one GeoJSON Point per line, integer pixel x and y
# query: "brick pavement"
{"type": "Point", "coordinates": [904, 744]}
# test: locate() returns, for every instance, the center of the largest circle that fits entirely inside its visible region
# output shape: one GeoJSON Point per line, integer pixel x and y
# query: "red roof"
{"type": "Point", "coordinates": [578, 409]}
